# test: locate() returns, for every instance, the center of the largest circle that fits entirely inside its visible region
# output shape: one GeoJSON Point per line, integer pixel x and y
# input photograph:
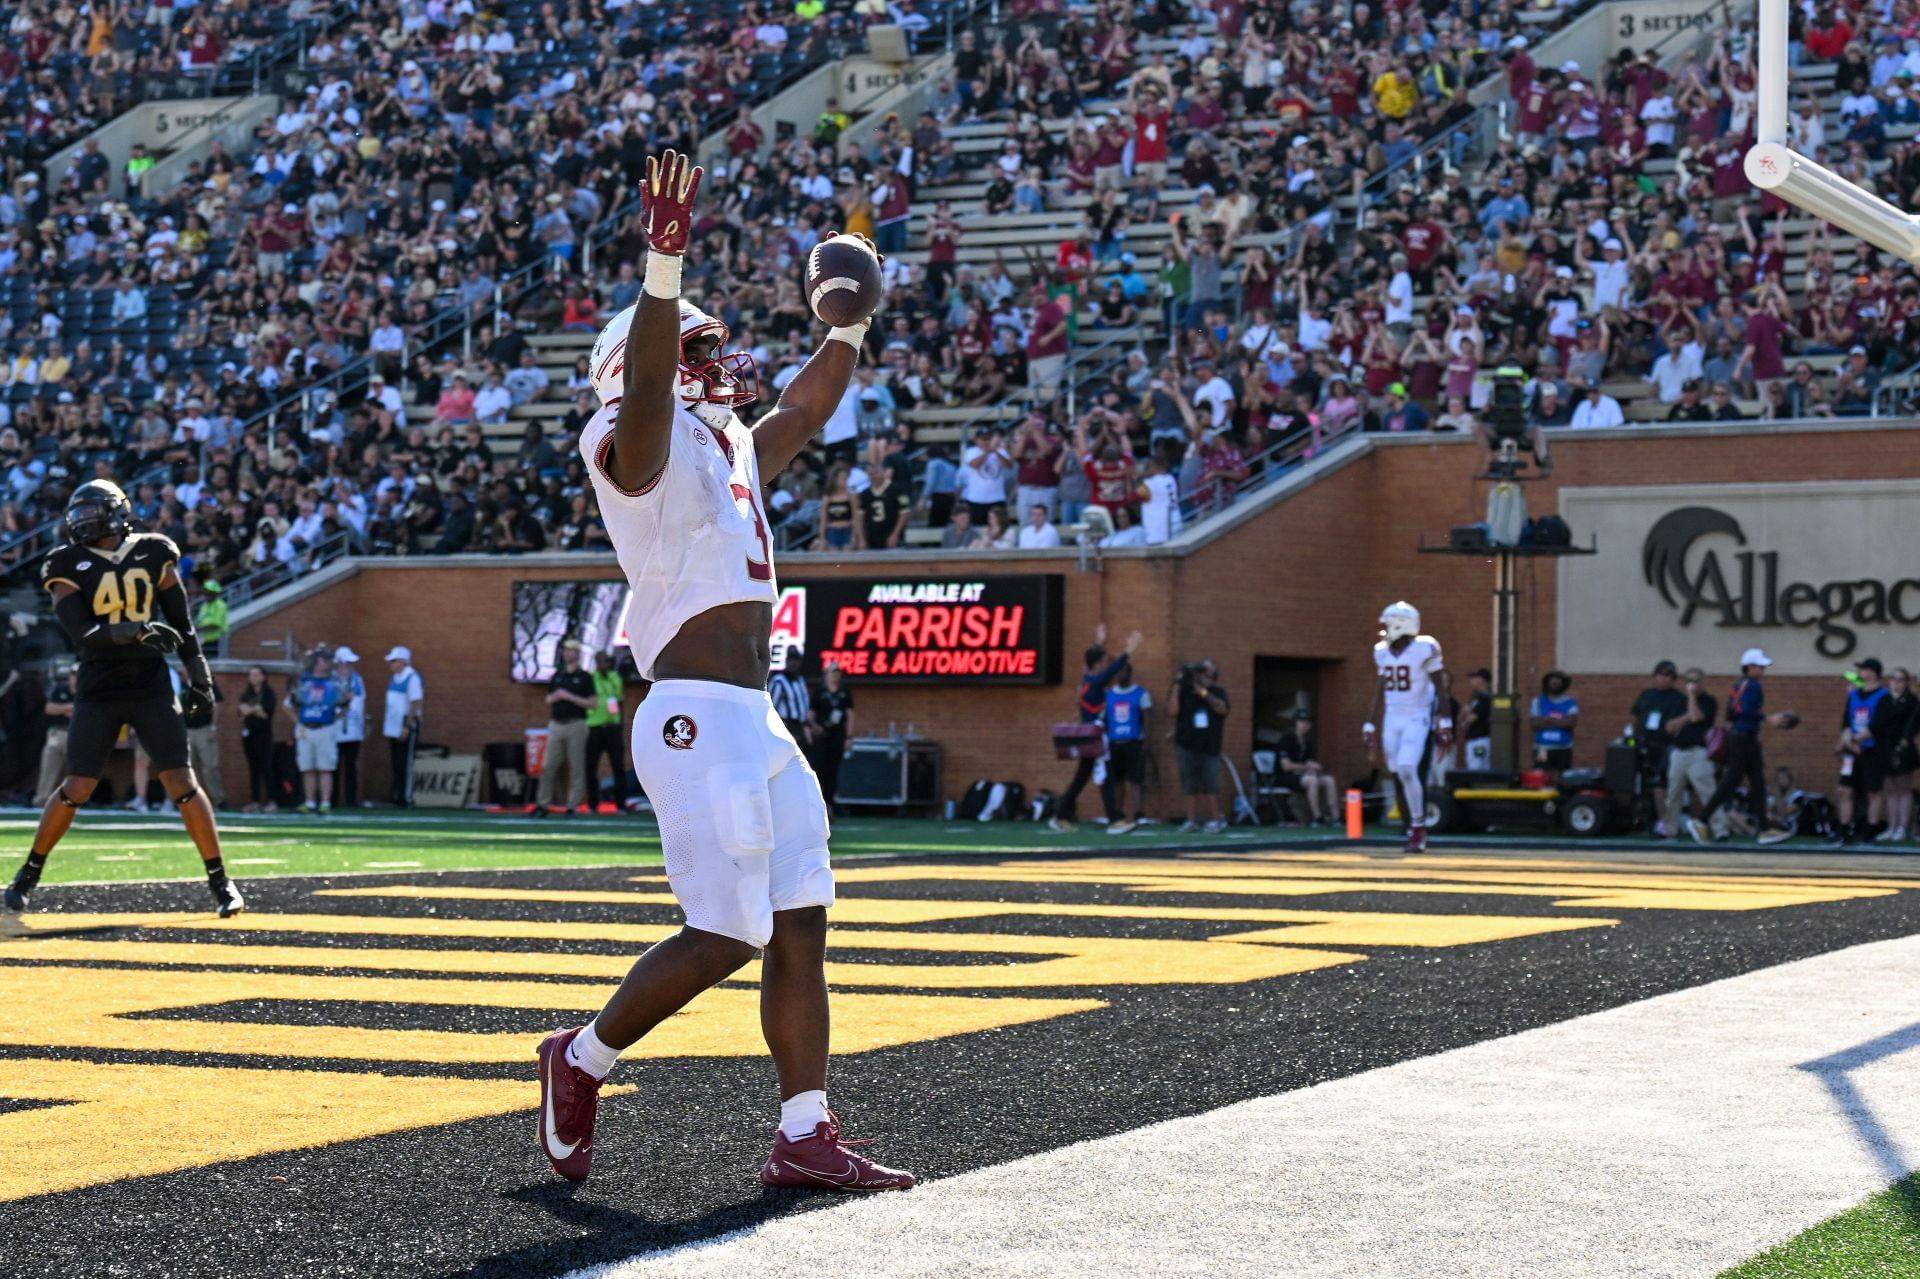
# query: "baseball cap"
{"type": "Point", "coordinates": [1611, 243]}
{"type": "Point", "coordinates": [399, 653]}
{"type": "Point", "coordinates": [1755, 657]}
{"type": "Point", "coordinates": [1664, 667]}
{"type": "Point", "coordinates": [345, 654]}
{"type": "Point", "coordinates": [1399, 389]}
{"type": "Point", "coordinates": [1870, 664]}
{"type": "Point", "coordinates": [1480, 672]}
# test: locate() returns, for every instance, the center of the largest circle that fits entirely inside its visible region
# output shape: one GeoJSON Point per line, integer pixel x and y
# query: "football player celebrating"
{"type": "Point", "coordinates": [107, 584]}
{"type": "Point", "coordinates": [742, 823]}
{"type": "Point", "coordinates": [1413, 681]}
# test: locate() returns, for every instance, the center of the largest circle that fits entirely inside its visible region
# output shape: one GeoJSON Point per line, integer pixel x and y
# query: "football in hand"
{"type": "Point", "coordinates": [843, 280]}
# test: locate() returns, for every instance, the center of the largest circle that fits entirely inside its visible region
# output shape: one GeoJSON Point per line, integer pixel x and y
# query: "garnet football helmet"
{"type": "Point", "coordinates": [706, 375]}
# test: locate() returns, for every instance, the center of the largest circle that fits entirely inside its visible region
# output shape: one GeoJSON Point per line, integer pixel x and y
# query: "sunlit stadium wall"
{"type": "Point", "coordinates": [1303, 578]}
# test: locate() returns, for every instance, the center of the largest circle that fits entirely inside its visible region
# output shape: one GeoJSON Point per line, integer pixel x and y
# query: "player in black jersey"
{"type": "Point", "coordinates": [108, 584]}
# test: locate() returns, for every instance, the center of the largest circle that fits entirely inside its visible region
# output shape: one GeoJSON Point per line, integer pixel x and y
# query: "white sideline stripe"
{"type": "Point", "coordinates": [1672, 1137]}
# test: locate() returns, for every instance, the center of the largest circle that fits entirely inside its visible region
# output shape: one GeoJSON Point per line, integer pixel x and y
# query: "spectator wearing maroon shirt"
{"type": "Point", "coordinates": [1150, 121]}
{"type": "Point", "coordinates": [1109, 149]}
{"type": "Point", "coordinates": [1108, 460]}
{"type": "Point", "coordinates": [204, 45]}
{"type": "Point", "coordinates": [1424, 241]}
{"type": "Point", "coordinates": [891, 199]}
{"type": "Point", "coordinates": [1039, 455]}
{"type": "Point", "coordinates": [1533, 113]}
{"type": "Point", "coordinates": [1046, 345]}
{"type": "Point", "coordinates": [1767, 328]}
{"type": "Point", "coordinates": [943, 251]}
{"type": "Point", "coordinates": [745, 137]}
{"type": "Point", "coordinates": [1519, 69]}
{"type": "Point", "coordinates": [276, 234]}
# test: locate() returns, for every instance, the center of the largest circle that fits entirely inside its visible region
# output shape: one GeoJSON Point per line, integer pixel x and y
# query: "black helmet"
{"type": "Point", "coordinates": [96, 511]}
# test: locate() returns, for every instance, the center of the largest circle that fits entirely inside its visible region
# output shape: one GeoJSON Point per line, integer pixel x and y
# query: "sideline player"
{"type": "Point", "coordinates": [1413, 681]}
{"type": "Point", "coordinates": [742, 823]}
{"type": "Point", "coordinates": [105, 584]}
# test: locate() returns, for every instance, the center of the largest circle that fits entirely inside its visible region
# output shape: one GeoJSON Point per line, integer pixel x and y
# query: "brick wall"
{"type": "Point", "coordinates": [1305, 579]}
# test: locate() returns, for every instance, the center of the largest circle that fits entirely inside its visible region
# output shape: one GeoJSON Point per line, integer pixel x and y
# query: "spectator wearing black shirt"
{"type": "Point", "coordinates": [884, 508]}
{"type": "Point", "coordinates": [833, 712]}
{"type": "Point", "coordinates": [1656, 711]}
{"type": "Point", "coordinates": [1091, 705]}
{"type": "Point", "coordinates": [1298, 754]}
{"type": "Point", "coordinates": [1903, 757]}
{"type": "Point", "coordinates": [569, 696]}
{"type": "Point", "coordinates": [1687, 761]}
{"type": "Point", "coordinates": [1691, 407]}
{"type": "Point", "coordinates": [1199, 730]}
{"type": "Point", "coordinates": [1479, 719]}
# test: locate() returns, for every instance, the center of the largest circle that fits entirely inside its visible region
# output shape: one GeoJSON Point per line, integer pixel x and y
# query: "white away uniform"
{"type": "Point", "coordinates": [1406, 689]}
{"type": "Point", "coordinates": [743, 826]}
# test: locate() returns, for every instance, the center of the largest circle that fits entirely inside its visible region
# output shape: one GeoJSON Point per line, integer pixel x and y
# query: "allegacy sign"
{"type": "Point", "coordinates": [1817, 574]}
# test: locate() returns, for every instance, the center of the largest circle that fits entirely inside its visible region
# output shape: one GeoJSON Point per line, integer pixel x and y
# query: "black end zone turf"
{"type": "Point", "coordinates": [676, 1157]}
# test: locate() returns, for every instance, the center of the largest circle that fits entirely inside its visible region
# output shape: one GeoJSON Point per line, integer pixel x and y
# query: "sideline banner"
{"type": "Point", "coordinates": [446, 782]}
{"type": "Point", "coordinates": [1820, 575]}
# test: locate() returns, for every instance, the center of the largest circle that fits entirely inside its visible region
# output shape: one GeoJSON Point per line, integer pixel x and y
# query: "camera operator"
{"type": "Point", "coordinates": [1199, 729]}
{"type": "Point", "coordinates": [1504, 431]}
{"type": "Point", "coordinates": [1656, 711]}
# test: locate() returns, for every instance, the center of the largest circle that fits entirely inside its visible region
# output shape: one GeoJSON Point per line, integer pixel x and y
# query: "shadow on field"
{"type": "Point", "coordinates": [609, 1234]}
{"type": "Point", "coordinates": [1834, 1073]}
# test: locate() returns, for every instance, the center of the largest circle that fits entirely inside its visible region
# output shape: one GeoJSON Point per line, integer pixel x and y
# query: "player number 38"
{"type": "Point", "coordinates": [1398, 679]}
{"type": "Point", "coordinates": [124, 596]}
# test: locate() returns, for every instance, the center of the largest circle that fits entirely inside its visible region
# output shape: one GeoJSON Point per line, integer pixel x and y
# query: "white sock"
{"type": "Point", "coordinates": [802, 1113]}
{"type": "Point", "coordinates": [589, 1054]}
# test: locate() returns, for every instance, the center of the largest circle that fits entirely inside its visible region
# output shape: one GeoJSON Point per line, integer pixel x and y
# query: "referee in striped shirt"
{"type": "Point", "coordinates": [793, 703]}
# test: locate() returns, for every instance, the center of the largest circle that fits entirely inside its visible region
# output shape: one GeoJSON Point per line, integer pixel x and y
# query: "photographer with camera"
{"type": "Point", "coordinates": [1200, 710]}
{"type": "Point", "coordinates": [1504, 431]}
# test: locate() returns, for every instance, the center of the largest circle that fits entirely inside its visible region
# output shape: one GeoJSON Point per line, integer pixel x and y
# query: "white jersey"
{"type": "Point", "coordinates": [1406, 677]}
{"type": "Point", "coordinates": [693, 539]}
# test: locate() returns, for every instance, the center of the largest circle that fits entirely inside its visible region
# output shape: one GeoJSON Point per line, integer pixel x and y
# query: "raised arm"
{"type": "Point", "coordinates": [811, 398]}
{"type": "Point", "coordinates": [642, 426]}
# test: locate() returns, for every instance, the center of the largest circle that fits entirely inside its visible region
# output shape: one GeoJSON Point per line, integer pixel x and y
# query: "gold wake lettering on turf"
{"type": "Point", "coordinates": [189, 983]}
{"type": "Point", "coordinates": [51, 1006]}
{"type": "Point", "coordinates": [120, 1121]}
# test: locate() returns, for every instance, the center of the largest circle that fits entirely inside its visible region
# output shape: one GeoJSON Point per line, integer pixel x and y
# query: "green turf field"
{"type": "Point", "coordinates": [1878, 1240]}
{"type": "Point", "coordinates": [120, 845]}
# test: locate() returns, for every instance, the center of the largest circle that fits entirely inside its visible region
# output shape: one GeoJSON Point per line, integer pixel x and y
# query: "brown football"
{"type": "Point", "coordinates": [843, 280]}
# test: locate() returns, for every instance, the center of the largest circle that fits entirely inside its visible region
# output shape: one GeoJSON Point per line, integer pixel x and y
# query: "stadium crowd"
{"type": "Point", "coordinates": [1605, 247]}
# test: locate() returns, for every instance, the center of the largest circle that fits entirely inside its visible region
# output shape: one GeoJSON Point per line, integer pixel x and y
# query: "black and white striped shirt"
{"type": "Point", "coordinates": [791, 701]}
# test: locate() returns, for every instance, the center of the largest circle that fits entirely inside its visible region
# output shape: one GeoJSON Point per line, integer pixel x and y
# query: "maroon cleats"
{"type": "Point", "coordinates": [821, 1161]}
{"type": "Point", "coordinates": [1416, 839]}
{"type": "Point", "coordinates": [569, 1096]}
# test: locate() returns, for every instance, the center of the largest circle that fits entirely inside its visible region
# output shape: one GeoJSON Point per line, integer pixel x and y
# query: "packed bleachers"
{"type": "Point", "coordinates": [1139, 258]}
